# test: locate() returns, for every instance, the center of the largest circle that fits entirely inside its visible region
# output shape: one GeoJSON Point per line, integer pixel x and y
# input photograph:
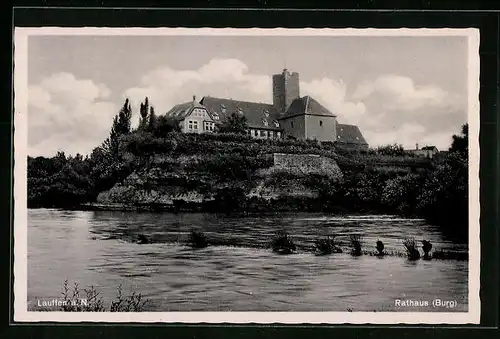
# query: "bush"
{"type": "Point", "coordinates": [380, 248]}
{"type": "Point", "coordinates": [326, 245]}
{"type": "Point", "coordinates": [94, 302]}
{"type": "Point", "coordinates": [411, 249]}
{"type": "Point", "coordinates": [282, 243]}
{"type": "Point", "coordinates": [355, 244]}
{"type": "Point", "coordinates": [197, 240]}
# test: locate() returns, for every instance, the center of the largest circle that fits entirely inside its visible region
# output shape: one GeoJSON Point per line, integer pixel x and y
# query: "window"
{"type": "Point", "coordinates": [278, 135]}
{"type": "Point", "coordinates": [276, 124]}
{"type": "Point", "coordinates": [263, 134]}
{"type": "Point", "coordinates": [216, 116]}
{"type": "Point", "coordinates": [291, 124]}
{"type": "Point", "coordinates": [264, 122]}
{"type": "Point", "coordinates": [190, 125]}
{"type": "Point", "coordinates": [195, 125]}
{"type": "Point", "coordinates": [271, 134]}
{"type": "Point", "coordinates": [321, 122]}
{"type": "Point", "coordinates": [266, 113]}
{"type": "Point", "coordinates": [208, 126]}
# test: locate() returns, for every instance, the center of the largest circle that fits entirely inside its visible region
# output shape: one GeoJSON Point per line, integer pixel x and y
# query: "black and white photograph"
{"type": "Point", "coordinates": [246, 175]}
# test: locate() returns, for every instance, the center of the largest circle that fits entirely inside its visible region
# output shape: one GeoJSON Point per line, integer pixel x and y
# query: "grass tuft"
{"type": "Point", "coordinates": [426, 247]}
{"type": "Point", "coordinates": [328, 245]}
{"type": "Point", "coordinates": [380, 248]}
{"type": "Point", "coordinates": [197, 240]}
{"type": "Point", "coordinates": [356, 244]}
{"type": "Point", "coordinates": [411, 249]}
{"type": "Point", "coordinates": [282, 243]}
{"type": "Point", "coordinates": [91, 301]}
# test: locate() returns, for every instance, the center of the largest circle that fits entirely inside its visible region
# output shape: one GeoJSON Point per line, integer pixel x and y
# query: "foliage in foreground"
{"type": "Point", "coordinates": [94, 301]}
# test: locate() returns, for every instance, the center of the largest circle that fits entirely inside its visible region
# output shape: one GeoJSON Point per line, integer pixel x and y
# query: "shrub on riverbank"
{"type": "Point", "coordinates": [89, 300]}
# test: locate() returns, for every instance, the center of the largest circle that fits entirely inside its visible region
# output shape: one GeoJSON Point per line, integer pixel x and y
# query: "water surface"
{"type": "Point", "coordinates": [100, 248]}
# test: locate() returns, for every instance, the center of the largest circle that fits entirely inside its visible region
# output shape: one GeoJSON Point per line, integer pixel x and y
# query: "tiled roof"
{"type": "Point", "coordinates": [259, 115]}
{"type": "Point", "coordinates": [306, 105]}
{"type": "Point", "coordinates": [349, 134]}
{"type": "Point", "coordinates": [180, 111]}
{"type": "Point", "coordinates": [429, 148]}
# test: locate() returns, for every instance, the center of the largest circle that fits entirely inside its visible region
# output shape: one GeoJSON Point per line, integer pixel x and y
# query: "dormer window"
{"type": "Point", "coordinates": [266, 113]}
{"type": "Point", "coordinates": [264, 122]}
{"type": "Point", "coordinates": [276, 124]}
{"type": "Point", "coordinates": [216, 116]}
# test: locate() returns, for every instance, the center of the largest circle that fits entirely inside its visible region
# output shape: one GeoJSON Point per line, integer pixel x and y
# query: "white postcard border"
{"type": "Point", "coordinates": [21, 314]}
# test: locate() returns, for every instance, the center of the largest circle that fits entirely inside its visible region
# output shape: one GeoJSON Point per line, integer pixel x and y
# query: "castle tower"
{"type": "Point", "coordinates": [285, 89]}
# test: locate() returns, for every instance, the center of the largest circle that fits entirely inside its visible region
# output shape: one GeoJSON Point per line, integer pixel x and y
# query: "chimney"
{"type": "Point", "coordinates": [416, 145]}
{"type": "Point", "coordinates": [194, 97]}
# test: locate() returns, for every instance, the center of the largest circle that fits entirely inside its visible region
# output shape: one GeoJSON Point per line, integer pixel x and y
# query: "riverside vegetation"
{"type": "Point", "coordinates": [155, 166]}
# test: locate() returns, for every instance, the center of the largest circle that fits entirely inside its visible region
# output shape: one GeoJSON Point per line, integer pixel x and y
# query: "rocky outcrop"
{"type": "Point", "coordinates": [168, 179]}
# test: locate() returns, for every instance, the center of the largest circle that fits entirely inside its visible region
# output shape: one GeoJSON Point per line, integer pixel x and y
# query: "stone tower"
{"type": "Point", "coordinates": [285, 90]}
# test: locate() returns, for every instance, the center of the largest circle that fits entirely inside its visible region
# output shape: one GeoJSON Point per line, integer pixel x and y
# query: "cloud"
{"type": "Point", "coordinates": [230, 78]}
{"type": "Point", "coordinates": [69, 114]}
{"type": "Point", "coordinates": [390, 108]}
{"type": "Point", "coordinates": [75, 114]}
{"type": "Point", "coordinates": [401, 93]}
{"type": "Point", "coordinates": [398, 110]}
{"type": "Point", "coordinates": [332, 94]}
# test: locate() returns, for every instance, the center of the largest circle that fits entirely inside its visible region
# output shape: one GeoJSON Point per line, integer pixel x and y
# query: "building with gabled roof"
{"type": "Point", "coordinates": [290, 115]}
{"type": "Point", "coordinates": [350, 136]}
{"type": "Point", "coordinates": [426, 151]}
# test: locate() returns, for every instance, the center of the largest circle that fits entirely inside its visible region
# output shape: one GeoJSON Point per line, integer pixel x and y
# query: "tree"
{"type": "Point", "coordinates": [235, 123]}
{"type": "Point", "coordinates": [460, 142]}
{"type": "Point", "coordinates": [444, 197]}
{"type": "Point", "coordinates": [124, 119]}
{"type": "Point", "coordinates": [165, 125]}
{"type": "Point", "coordinates": [152, 119]}
{"type": "Point", "coordinates": [144, 112]}
{"type": "Point", "coordinates": [121, 126]}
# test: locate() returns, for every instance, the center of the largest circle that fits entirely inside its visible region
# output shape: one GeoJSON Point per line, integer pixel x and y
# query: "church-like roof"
{"type": "Point", "coordinates": [259, 115]}
{"type": "Point", "coordinates": [349, 134]}
{"type": "Point", "coordinates": [306, 105]}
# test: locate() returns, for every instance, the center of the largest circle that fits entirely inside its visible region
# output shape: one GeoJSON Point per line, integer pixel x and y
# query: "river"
{"type": "Point", "coordinates": [100, 248]}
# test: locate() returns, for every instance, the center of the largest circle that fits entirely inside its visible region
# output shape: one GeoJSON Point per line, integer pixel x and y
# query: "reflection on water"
{"type": "Point", "coordinates": [101, 249]}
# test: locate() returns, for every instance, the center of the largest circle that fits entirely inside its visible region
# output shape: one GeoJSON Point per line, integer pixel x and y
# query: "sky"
{"type": "Point", "coordinates": [403, 90]}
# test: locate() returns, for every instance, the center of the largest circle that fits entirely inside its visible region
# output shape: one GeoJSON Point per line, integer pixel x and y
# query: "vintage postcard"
{"type": "Point", "coordinates": [295, 176]}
